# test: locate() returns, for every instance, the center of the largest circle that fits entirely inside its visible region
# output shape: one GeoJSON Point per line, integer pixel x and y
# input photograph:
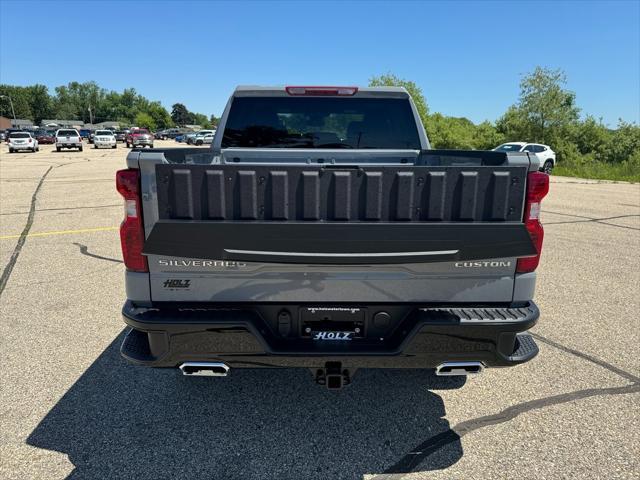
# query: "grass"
{"type": "Point", "coordinates": [625, 171]}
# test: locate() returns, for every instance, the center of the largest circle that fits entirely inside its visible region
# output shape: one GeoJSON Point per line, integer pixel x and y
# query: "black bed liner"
{"type": "Point", "coordinates": [339, 215]}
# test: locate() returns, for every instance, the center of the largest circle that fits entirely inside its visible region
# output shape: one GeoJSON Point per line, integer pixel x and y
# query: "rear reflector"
{"type": "Point", "coordinates": [537, 189]}
{"type": "Point", "coordinates": [131, 229]}
{"type": "Point", "coordinates": [319, 91]}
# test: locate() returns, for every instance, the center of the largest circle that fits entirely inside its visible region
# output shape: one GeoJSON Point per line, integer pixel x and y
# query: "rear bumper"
{"type": "Point", "coordinates": [241, 336]}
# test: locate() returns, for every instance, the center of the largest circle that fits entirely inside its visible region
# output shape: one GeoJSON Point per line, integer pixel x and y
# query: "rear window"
{"type": "Point", "coordinates": [68, 133]}
{"type": "Point", "coordinates": [140, 132]}
{"type": "Point", "coordinates": [19, 135]}
{"type": "Point", "coordinates": [327, 122]}
{"type": "Point", "coordinates": [509, 147]}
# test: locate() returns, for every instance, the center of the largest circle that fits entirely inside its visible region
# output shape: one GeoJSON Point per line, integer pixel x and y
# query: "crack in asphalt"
{"type": "Point", "coordinates": [85, 251]}
{"type": "Point", "coordinates": [601, 363]}
{"type": "Point", "coordinates": [592, 220]}
{"type": "Point", "coordinates": [417, 455]}
{"type": "Point", "coordinates": [6, 273]}
{"type": "Point", "coordinates": [595, 181]}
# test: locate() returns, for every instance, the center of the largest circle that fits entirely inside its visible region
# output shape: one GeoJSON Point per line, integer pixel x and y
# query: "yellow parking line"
{"type": "Point", "coordinates": [62, 232]}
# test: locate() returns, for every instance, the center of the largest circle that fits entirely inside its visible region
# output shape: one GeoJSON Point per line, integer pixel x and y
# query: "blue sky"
{"type": "Point", "coordinates": [467, 57]}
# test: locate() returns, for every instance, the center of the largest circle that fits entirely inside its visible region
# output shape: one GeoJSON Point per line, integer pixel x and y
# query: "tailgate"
{"type": "Point", "coordinates": [401, 233]}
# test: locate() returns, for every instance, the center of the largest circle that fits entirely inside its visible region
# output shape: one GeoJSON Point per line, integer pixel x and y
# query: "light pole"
{"type": "Point", "coordinates": [11, 102]}
{"type": "Point", "coordinates": [90, 116]}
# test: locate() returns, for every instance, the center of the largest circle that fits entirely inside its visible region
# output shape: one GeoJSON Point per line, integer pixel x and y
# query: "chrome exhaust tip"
{"type": "Point", "coordinates": [448, 369]}
{"type": "Point", "coordinates": [204, 369]}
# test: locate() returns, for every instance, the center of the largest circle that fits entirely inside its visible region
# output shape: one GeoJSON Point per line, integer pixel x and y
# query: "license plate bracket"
{"type": "Point", "coordinates": [332, 323]}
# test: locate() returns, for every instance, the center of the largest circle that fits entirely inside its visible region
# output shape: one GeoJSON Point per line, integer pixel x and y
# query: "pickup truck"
{"type": "Point", "coordinates": [321, 231]}
{"type": "Point", "coordinates": [68, 138]}
{"type": "Point", "coordinates": [139, 137]}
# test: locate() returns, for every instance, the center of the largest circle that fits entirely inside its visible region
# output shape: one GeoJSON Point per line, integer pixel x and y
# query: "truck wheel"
{"type": "Point", "coordinates": [58, 149]}
{"type": "Point", "coordinates": [548, 167]}
{"type": "Point", "coordinates": [199, 142]}
{"type": "Point", "coordinates": [114, 146]}
{"type": "Point", "coordinates": [151, 146]}
{"type": "Point", "coordinates": [80, 149]}
{"type": "Point", "coordinates": [11, 150]}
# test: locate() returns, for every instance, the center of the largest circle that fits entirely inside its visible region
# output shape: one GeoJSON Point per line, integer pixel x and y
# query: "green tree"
{"type": "Point", "coordinates": [624, 143]}
{"type": "Point", "coordinates": [591, 136]}
{"type": "Point", "coordinates": [20, 98]}
{"type": "Point", "coordinates": [40, 103]}
{"type": "Point", "coordinates": [145, 120]}
{"type": "Point", "coordinates": [180, 115]}
{"type": "Point", "coordinates": [391, 80]}
{"type": "Point", "coordinates": [546, 109]}
{"type": "Point", "coordinates": [200, 119]}
{"type": "Point", "coordinates": [159, 114]}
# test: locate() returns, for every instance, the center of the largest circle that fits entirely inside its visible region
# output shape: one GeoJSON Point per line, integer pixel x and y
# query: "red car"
{"type": "Point", "coordinates": [45, 137]}
{"type": "Point", "coordinates": [140, 137]}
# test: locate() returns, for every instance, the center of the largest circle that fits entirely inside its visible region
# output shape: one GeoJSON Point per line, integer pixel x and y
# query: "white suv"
{"type": "Point", "coordinates": [22, 141]}
{"type": "Point", "coordinates": [544, 153]}
{"type": "Point", "coordinates": [104, 138]}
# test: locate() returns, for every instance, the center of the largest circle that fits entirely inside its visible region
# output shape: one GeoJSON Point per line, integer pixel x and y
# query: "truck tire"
{"type": "Point", "coordinates": [114, 146]}
{"type": "Point", "coordinates": [80, 148]}
{"type": "Point", "coordinates": [548, 167]}
{"type": "Point", "coordinates": [199, 142]}
{"type": "Point", "coordinates": [58, 149]}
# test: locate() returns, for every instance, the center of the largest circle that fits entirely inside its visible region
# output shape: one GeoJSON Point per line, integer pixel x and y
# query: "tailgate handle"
{"type": "Point", "coordinates": [341, 255]}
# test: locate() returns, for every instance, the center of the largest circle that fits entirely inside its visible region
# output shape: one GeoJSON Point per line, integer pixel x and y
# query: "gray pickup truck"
{"type": "Point", "coordinates": [321, 231]}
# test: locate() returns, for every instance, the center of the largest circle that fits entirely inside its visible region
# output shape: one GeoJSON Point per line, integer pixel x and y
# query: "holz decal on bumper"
{"type": "Point", "coordinates": [333, 336]}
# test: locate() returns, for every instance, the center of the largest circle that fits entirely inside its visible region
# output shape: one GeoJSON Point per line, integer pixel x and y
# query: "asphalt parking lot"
{"type": "Point", "coordinates": [72, 408]}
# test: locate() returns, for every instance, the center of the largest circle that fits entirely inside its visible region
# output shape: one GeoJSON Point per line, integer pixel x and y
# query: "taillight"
{"type": "Point", "coordinates": [131, 229]}
{"type": "Point", "coordinates": [29, 140]}
{"type": "Point", "coordinates": [348, 91]}
{"type": "Point", "coordinates": [537, 189]}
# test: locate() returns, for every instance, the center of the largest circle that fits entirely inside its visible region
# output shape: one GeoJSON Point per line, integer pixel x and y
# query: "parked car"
{"type": "Point", "coordinates": [45, 137]}
{"type": "Point", "coordinates": [120, 135]}
{"type": "Point", "coordinates": [544, 153]}
{"type": "Point", "coordinates": [206, 139]}
{"type": "Point", "coordinates": [200, 136]}
{"type": "Point", "coordinates": [22, 141]}
{"type": "Point", "coordinates": [9, 131]}
{"type": "Point", "coordinates": [104, 138]}
{"type": "Point", "coordinates": [180, 137]}
{"type": "Point", "coordinates": [189, 137]}
{"type": "Point", "coordinates": [140, 137]}
{"type": "Point", "coordinates": [85, 133]}
{"type": "Point", "coordinates": [68, 138]}
{"type": "Point", "coordinates": [259, 254]}
{"type": "Point", "coordinates": [171, 133]}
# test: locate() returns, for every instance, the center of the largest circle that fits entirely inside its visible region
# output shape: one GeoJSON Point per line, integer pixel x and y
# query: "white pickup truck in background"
{"type": "Point", "coordinates": [68, 138]}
